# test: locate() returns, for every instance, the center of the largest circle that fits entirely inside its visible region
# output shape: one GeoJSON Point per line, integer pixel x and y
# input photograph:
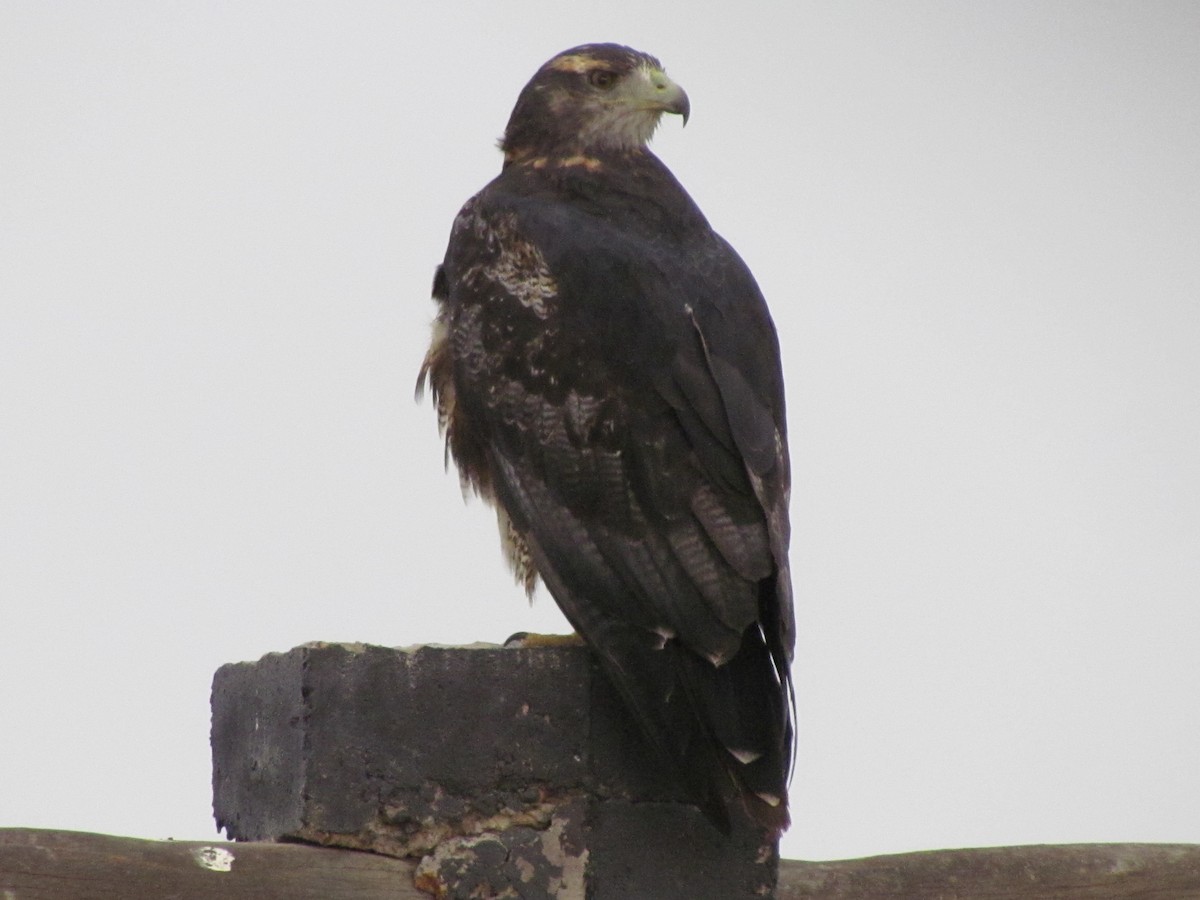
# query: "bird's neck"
{"type": "Point", "coordinates": [617, 183]}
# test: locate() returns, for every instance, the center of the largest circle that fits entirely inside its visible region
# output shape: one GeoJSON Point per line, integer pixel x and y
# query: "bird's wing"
{"type": "Point", "coordinates": [628, 410]}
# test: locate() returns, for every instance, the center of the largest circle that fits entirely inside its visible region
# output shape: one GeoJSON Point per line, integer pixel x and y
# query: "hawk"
{"type": "Point", "coordinates": [607, 375]}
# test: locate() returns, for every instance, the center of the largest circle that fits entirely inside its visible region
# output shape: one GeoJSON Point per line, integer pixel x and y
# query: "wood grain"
{"type": "Point", "coordinates": [68, 865]}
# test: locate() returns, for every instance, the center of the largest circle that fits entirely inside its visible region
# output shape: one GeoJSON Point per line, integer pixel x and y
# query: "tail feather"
{"type": "Point", "coordinates": [722, 731]}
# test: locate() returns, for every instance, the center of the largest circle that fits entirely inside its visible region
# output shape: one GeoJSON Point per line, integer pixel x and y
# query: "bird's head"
{"type": "Point", "coordinates": [591, 99]}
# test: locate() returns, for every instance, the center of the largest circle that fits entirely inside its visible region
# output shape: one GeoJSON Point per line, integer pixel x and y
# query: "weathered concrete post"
{"type": "Point", "coordinates": [507, 772]}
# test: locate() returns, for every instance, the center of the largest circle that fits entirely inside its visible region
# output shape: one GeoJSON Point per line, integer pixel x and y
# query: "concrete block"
{"type": "Point", "coordinates": [506, 771]}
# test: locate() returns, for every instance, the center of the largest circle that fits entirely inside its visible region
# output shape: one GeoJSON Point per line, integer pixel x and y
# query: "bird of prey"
{"type": "Point", "coordinates": [607, 375]}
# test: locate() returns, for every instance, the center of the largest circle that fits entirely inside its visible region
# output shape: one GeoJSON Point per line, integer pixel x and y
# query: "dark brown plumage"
{"type": "Point", "coordinates": [607, 375]}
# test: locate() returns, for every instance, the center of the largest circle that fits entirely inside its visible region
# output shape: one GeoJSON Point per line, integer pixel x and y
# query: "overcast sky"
{"type": "Point", "coordinates": [977, 225]}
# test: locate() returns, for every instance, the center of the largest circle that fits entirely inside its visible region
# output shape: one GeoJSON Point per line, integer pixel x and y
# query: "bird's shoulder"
{"type": "Point", "coordinates": [627, 244]}
{"type": "Point", "coordinates": [569, 284]}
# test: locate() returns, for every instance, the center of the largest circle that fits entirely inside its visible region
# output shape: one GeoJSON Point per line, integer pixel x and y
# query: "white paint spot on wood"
{"type": "Point", "coordinates": [215, 859]}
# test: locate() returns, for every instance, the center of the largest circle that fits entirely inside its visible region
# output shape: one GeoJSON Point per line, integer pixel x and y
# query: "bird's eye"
{"type": "Point", "coordinates": [602, 79]}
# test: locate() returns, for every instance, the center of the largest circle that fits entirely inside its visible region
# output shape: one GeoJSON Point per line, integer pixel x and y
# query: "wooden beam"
{"type": "Point", "coordinates": [71, 865]}
{"type": "Point", "coordinates": [67, 865]}
{"type": "Point", "coordinates": [1060, 872]}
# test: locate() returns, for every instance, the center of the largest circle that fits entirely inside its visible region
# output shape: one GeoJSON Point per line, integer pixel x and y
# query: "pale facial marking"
{"type": "Point", "coordinates": [628, 117]}
{"type": "Point", "coordinates": [578, 63]}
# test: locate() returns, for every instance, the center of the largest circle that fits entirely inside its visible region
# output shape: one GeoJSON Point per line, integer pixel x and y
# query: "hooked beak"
{"type": "Point", "coordinates": [668, 96]}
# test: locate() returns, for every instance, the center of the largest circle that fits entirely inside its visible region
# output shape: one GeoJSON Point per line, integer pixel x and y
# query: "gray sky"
{"type": "Point", "coordinates": [978, 226]}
